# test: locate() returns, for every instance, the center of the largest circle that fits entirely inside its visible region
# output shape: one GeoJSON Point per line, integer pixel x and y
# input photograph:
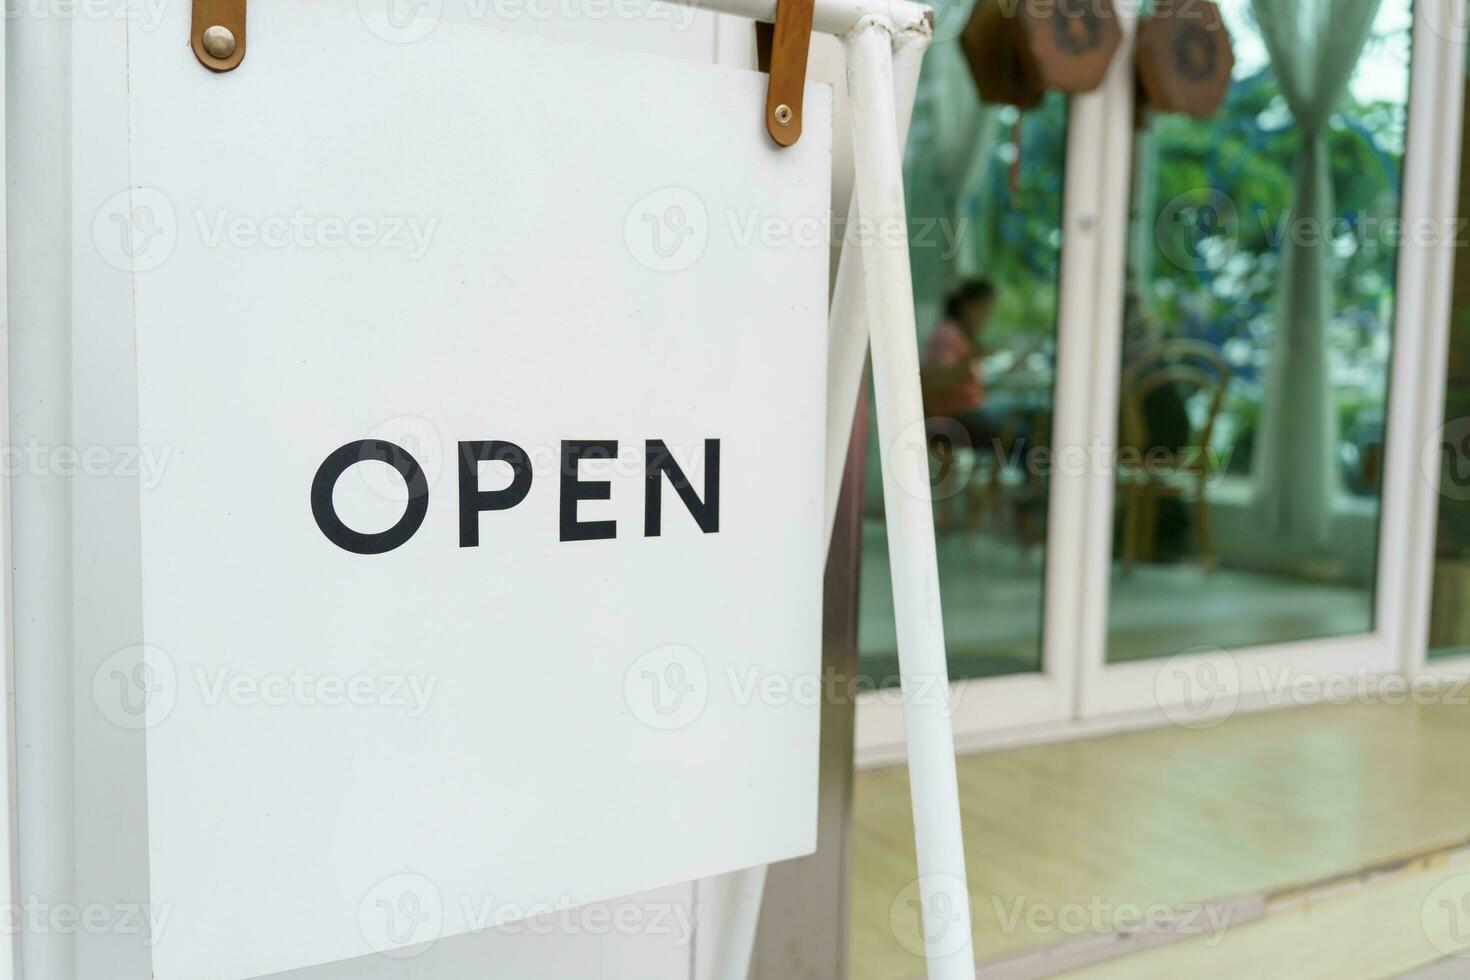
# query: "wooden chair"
{"type": "Point", "coordinates": [1197, 371]}
{"type": "Point", "coordinates": [981, 493]}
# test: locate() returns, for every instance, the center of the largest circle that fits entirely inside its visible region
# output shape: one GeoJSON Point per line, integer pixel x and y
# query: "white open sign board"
{"type": "Point", "coordinates": [484, 572]}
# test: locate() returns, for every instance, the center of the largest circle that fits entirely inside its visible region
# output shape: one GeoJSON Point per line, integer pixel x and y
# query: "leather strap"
{"type": "Point", "coordinates": [229, 14]}
{"type": "Point", "coordinates": [781, 50]}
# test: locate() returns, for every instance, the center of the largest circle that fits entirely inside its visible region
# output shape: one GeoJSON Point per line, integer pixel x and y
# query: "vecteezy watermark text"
{"type": "Point", "coordinates": [138, 229]}
{"type": "Point", "coordinates": [139, 687]}
{"type": "Point", "coordinates": [1204, 686]}
{"type": "Point", "coordinates": [404, 915]}
{"type": "Point", "coordinates": [146, 464]}
{"type": "Point", "coordinates": [298, 686]}
{"type": "Point", "coordinates": [301, 229]}
{"type": "Point", "coordinates": [1098, 916]}
{"type": "Point", "coordinates": [669, 687]}
{"type": "Point", "coordinates": [35, 917]}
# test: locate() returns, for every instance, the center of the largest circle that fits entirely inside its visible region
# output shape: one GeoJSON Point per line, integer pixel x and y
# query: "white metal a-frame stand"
{"type": "Point", "coordinates": [873, 303]}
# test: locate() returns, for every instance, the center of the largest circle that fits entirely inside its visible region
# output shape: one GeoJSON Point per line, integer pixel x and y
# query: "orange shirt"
{"type": "Point", "coordinates": [949, 348]}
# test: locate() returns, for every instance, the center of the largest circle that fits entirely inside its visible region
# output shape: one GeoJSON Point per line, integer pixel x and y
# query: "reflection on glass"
{"type": "Point", "coordinates": [984, 192]}
{"type": "Point", "coordinates": [1449, 610]}
{"type": "Point", "coordinates": [1258, 326]}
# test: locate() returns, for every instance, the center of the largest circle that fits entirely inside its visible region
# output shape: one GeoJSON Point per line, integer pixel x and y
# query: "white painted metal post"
{"type": "Point", "coordinates": [847, 352]}
{"type": "Point", "coordinates": [889, 288]}
{"type": "Point", "coordinates": [38, 550]}
{"type": "Point", "coordinates": [736, 936]}
{"type": "Point", "coordinates": [9, 833]}
{"type": "Point", "coordinates": [835, 17]}
{"type": "Point", "coordinates": [874, 291]}
{"type": "Point", "coordinates": [847, 332]}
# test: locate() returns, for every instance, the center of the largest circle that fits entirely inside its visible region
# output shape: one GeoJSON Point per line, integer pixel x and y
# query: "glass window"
{"type": "Point", "coordinates": [1258, 329]}
{"type": "Point", "coordinates": [984, 194]}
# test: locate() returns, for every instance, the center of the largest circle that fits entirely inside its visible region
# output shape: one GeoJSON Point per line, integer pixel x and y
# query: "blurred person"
{"type": "Point", "coordinates": [955, 398]}
{"type": "Point", "coordinates": [953, 384]}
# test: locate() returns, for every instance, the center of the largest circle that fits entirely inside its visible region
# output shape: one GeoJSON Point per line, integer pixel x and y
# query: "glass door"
{"type": "Point", "coordinates": [1258, 330]}
{"type": "Point", "coordinates": [1002, 215]}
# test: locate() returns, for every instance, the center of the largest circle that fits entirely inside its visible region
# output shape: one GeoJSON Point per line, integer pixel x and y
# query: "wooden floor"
{"type": "Point", "coordinates": [1280, 812]}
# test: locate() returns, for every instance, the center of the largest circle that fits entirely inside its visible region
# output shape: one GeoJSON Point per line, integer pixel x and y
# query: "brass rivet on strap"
{"type": "Point", "coordinates": [219, 42]}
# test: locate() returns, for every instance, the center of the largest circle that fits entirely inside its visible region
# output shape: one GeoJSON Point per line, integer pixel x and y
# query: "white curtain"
{"type": "Point", "coordinates": [1314, 45]}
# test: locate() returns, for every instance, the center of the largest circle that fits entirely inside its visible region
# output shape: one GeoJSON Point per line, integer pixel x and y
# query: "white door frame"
{"type": "Point", "coordinates": [1449, 74]}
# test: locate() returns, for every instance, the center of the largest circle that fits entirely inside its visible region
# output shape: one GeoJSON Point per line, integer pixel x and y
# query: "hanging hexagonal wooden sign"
{"type": "Point", "coordinates": [1018, 50]}
{"type": "Point", "coordinates": [1185, 58]}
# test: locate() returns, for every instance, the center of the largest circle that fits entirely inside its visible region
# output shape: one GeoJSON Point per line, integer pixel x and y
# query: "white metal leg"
{"type": "Point", "coordinates": [889, 289]}
{"type": "Point", "coordinates": [847, 332]}
{"type": "Point", "coordinates": [736, 936]}
{"type": "Point", "coordinates": [847, 353]}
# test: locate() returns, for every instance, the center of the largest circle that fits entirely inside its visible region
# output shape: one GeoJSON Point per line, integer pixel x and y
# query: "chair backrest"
{"type": "Point", "coordinates": [1192, 368]}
